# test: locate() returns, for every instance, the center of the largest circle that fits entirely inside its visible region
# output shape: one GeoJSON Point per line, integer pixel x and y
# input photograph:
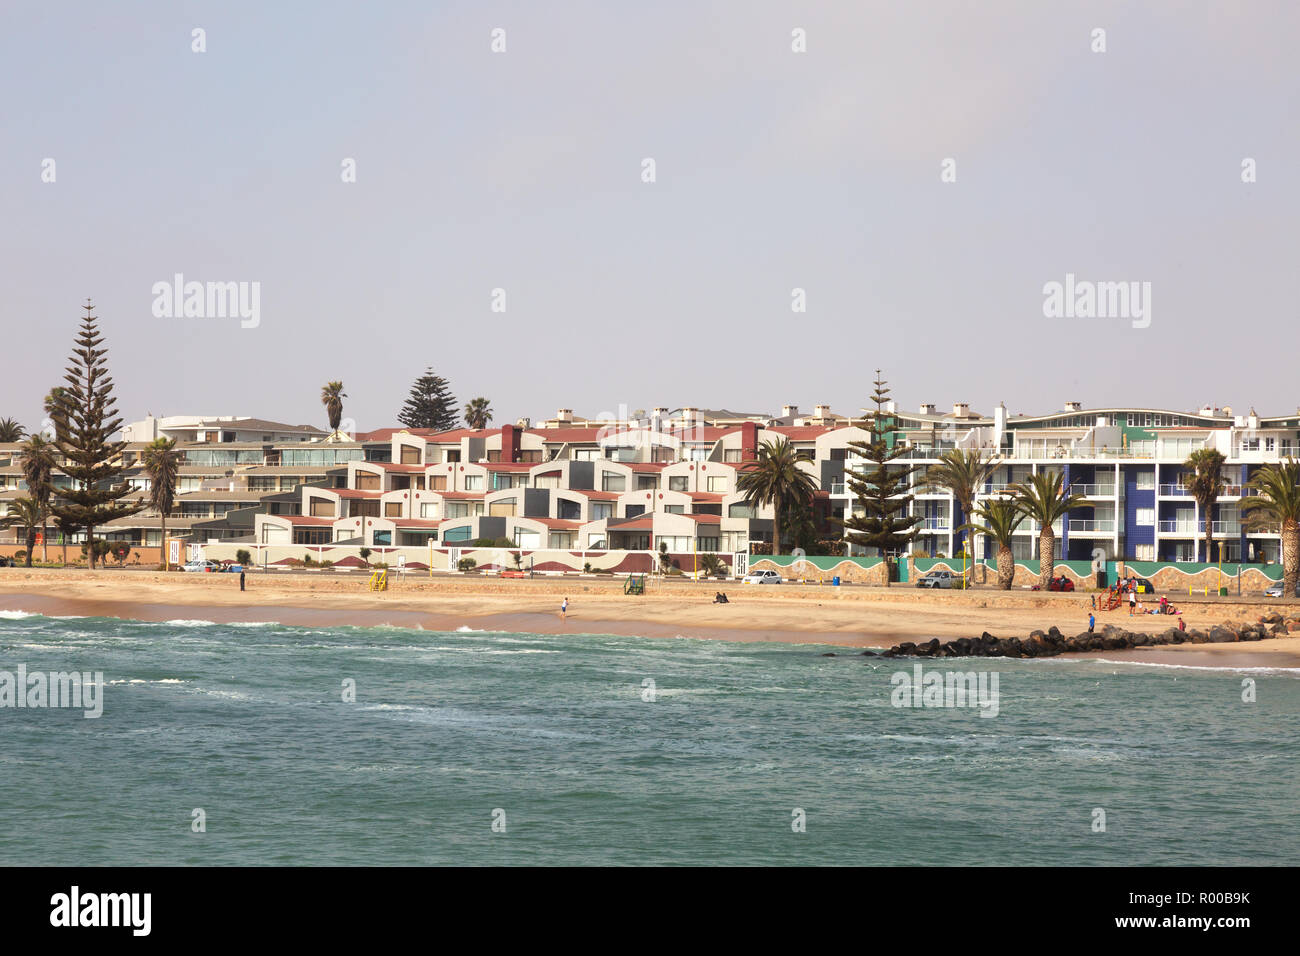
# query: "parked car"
{"type": "Point", "coordinates": [941, 579]}
{"type": "Point", "coordinates": [761, 577]}
{"type": "Point", "coordinates": [1275, 590]}
{"type": "Point", "coordinates": [201, 566]}
{"type": "Point", "coordinates": [1061, 583]}
{"type": "Point", "coordinates": [232, 568]}
{"type": "Point", "coordinates": [6, 562]}
{"type": "Point", "coordinates": [1142, 584]}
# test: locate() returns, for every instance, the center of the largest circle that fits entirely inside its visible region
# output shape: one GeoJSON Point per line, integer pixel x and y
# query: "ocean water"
{"type": "Point", "coordinates": [552, 737]}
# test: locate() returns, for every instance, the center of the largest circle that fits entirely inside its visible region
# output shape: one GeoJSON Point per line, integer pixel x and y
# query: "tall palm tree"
{"type": "Point", "coordinates": [37, 462]}
{"type": "Point", "coordinates": [963, 473]}
{"type": "Point", "coordinates": [1277, 502]}
{"type": "Point", "coordinates": [11, 431]}
{"type": "Point", "coordinates": [161, 463]}
{"type": "Point", "coordinates": [1001, 517]}
{"type": "Point", "coordinates": [774, 478]}
{"type": "Point", "coordinates": [55, 412]}
{"type": "Point", "coordinates": [1203, 479]}
{"type": "Point", "coordinates": [27, 513]}
{"type": "Point", "coordinates": [331, 396]}
{"type": "Point", "coordinates": [1044, 499]}
{"type": "Point", "coordinates": [478, 412]}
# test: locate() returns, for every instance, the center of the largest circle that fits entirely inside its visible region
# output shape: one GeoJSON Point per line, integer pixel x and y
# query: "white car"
{"type": "Point", "coordinates": [1276, 590]}
{"type": "Point", "coordinates": [200, 566]}
{"type": "Point", "coordinates": [761, 577]}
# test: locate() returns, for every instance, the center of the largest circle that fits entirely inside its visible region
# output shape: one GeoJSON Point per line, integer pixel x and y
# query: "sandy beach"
{"type": "Point", "coordinates": [847, 616]}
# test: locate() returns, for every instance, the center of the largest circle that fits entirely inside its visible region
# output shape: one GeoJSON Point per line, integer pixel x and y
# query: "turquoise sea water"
{"type": "Point", "coordinates": [248, 723]}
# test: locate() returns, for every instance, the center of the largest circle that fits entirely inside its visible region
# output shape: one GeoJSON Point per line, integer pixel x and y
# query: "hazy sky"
{"type": "Point", "coordinates": [775, 170]}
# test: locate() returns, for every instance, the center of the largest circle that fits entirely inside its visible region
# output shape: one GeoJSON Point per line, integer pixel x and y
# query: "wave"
{"type": "Point", "coordinates": [16, 615]}
{"type": "Point", "coordinates": [1219, 668]}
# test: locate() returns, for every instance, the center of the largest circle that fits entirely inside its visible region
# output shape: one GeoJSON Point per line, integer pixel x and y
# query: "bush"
{"type": "Point", "coordinates": [586, 568]}
{"type": "Point", "coordinates": [20, 556]}
{"type": "Point", "coordinates": [466, 564]}
{"type": "Point", "coordinates": [243, 557]}
{"type": "Point", "coordinates": [832, 547]}
{"type": "Point", "coordinates": [760, 547]}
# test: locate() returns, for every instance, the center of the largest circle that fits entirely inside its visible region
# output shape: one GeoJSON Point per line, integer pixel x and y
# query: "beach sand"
{"type": "Point", "coordinates": [849, 616]}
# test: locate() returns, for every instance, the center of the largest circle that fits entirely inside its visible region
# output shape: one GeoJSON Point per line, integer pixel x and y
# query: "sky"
{"type": "Point", "coordinates": [921, 171]}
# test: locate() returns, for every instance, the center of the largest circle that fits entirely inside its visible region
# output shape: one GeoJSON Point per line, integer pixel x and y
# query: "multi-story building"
{"type": "Point", "coordinates": [669, 478]}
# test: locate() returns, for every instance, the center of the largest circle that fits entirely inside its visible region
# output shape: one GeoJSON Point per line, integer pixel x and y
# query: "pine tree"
{"type": "Point", "coordinates": [86, 415]}
{"type": "Point", "coordinates": [881, 491]}
{"type": "Point", "coordinates": [430, 405]}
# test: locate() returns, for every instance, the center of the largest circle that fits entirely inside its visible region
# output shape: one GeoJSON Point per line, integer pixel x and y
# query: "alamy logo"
{"type": "Point", "coordinates": [102, 909]}
{"type": "Point", "coordinates": [55, 689]}
{"type": "Point", "coordinates": [1083, 299]}
{"type": "Point", "coordinates": [946, 689]}
{"type": "Point", "coordinates": [179, 299]}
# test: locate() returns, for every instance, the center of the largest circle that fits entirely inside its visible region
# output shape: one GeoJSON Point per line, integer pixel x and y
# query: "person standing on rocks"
{"type": "Point", "coordinates": [1092, 622]}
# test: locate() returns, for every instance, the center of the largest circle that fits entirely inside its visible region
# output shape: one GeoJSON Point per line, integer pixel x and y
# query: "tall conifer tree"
{"type": "Point", "coordinates": [430, 404]}
{"type": "Point", "coordinates": [881, 491]}
{"type": "Point", "coordinates": [85, 414]}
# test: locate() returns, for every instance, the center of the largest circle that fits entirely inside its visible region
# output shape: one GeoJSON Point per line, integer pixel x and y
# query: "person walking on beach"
{"type": "Point", "coordinates": [1092, 622]}
{"type": "Point", "coordinates": [241, 580]}
{"type": "Point", "coordinates": [564, 609]}
{"type": "Point", "coordinates": [1132, 601]}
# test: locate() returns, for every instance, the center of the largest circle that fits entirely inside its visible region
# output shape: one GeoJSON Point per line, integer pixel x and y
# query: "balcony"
{"type": "Point", "coordinates": [1094, 491]}
{"type": "Point", "coordinates": [1092, 526]}
{"type": "Point", "coordinates": [1173, 491]}
{"type": "Point", "coordinates": [1196, 528]}
{"type": "Point", "coordinates": [935, 524]}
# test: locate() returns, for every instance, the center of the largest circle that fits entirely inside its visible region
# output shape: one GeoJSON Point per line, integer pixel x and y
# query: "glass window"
{"type": "Point", "coordinates": [678, 483]}
{"type": "Point", "coordinates": [1145, 480]}
{"type": "Point", "coordinates": [473, 482]}
{"type": "Point", "coordinates": [609, 481]}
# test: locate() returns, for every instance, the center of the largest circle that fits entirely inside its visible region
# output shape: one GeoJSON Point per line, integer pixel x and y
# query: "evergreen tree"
{"type": "Point", "coordinates": [881, 491]}
{"type": "Point", "coordinates": [86, 415]}
{"type": "Point", "coordinates": [430, 404]}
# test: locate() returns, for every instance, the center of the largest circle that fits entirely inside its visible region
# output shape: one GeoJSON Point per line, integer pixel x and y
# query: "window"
{"type": "Point", "coordinates": [410, 455]}
{"type": "Point", "coordinates": [429, 509]}
{"type": "Point", "coordinates": [741, 510]}
{"type": "Point", "coordinates": [678, 483]}
{"type": "Point", "coordinates": [732, 454]}
{"type": "Point", "coordinates": [457, 534]}
{"type": "Point", "coordinates": [675, 509]}
{"type": "Point", "coordinates": [382, 538]}
{"type": "Point", "coordinates": [1145, 480]}
{"type": "Point", "coordinates": [530, 540]}
{"type": "Point", "coordinates": [610, 481]}
{"type": "Point", "coordinates": [437, 482]}
{"type": "Point", "coordinates": [708, 544]}
{"type": "Point", "coordinates": [677, 543]}
{"type": "Point", "coordinates": [502, 509]}
{"type": "Point", "coordinates": [392, 509]}
{"type": "Point", "coordinates": [1145, 516]}
{"type": "Point", "coordinates": [602, 509]}
{"type": "Point", "coordinates": [321, 508]}
{"type": "Point", "coordinates": [458, 509]}
{"type": "Point", "coordinates": [473, 482]}
{"type": "Point", "coordinates": [717, 484]}
{"type": "Point", "coordinates": [367, 481]}
{"type": "Point", "coordinates": [262, 483]}
{"type": "Point", "coordinates": [596, 541]}
{"type": "Point", "coordinates": [647, 482]}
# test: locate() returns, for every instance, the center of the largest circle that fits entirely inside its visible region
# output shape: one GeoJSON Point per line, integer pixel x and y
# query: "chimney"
{"type": "Point", "coordinates": [927, 408]}
{"type": "Point", "coordinates": [749, 441]}
{"type": "Point", "coordinates": [657, 417]}
{"type": "Point", "coordinates": [688, 416]}
{"type": "Point", "coordinates": [960, 409]}
{"type": "Point", "coordinates": [789, 411]}
{"type": "Point", "coordinates": [564, 415]}
{"type": "Point", "coordinates": [509, 443]}
{"type": "Point", "coordinates": [821, 411]}
{"type": "Point", "coordinates": [1073, 406]}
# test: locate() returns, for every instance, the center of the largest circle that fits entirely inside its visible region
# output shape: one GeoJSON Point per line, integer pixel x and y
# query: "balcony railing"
{"type": "Point", "coordinates": [1173, 491]}
{"type": "Point", "coordinates": [1198, 527]}
{"type": "Point", "coordinates": [1106, 525]}
{"type": "Point", "coordinates": [935, 524]}
{"type": "Point", "coordinates": [1094, 491]}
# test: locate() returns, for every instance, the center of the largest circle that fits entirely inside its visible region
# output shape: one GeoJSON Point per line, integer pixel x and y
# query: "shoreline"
{"type": "Point", "coordinates": [850, 618]}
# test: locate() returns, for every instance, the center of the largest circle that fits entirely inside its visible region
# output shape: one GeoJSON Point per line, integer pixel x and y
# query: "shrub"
{"type": "Point", "coordinates": [466, 564]}
{"type": "Point", "coordinates": [243, 557]}
{"type": "Point", "coordinates": [365, 556]}
{"type": "Point", "coordinates": [20, 555]}
{"type": "Point", "coordinates": [586, 568]}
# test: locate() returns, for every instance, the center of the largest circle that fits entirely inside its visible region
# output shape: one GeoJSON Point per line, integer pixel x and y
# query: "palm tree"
{"type": "Point", "coordinates": [37, 462]}
{"type": "Point", "coordinates": [11, 431]}
{"type": "Point", "coordinates": [1203, 479]}
{"type": "Point", "coordinates": [961, 472]}
{"type": "Point", "coordinates": [1001, 517]}
{"type": "Point", "coordinates": [161, 463]}
{"type": "Point", "coordinates": [775, 479]}
{"type": "Point", "coordinates": [1276, 501]}
{"type": "Point", "coordinates": [478, 412]}
{"type": "Point", "coordinates": [1044, 499]}
{"type": "Point", "coordinates": [26, 513]}
{"type": "Point", "coordinates": [331, 396]}
{"type": "Point", "coordinates": [55, 412]}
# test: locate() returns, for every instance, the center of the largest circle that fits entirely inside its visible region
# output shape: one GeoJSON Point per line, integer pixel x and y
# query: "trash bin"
{"type": "Point", "coordinates": [835, 581]}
